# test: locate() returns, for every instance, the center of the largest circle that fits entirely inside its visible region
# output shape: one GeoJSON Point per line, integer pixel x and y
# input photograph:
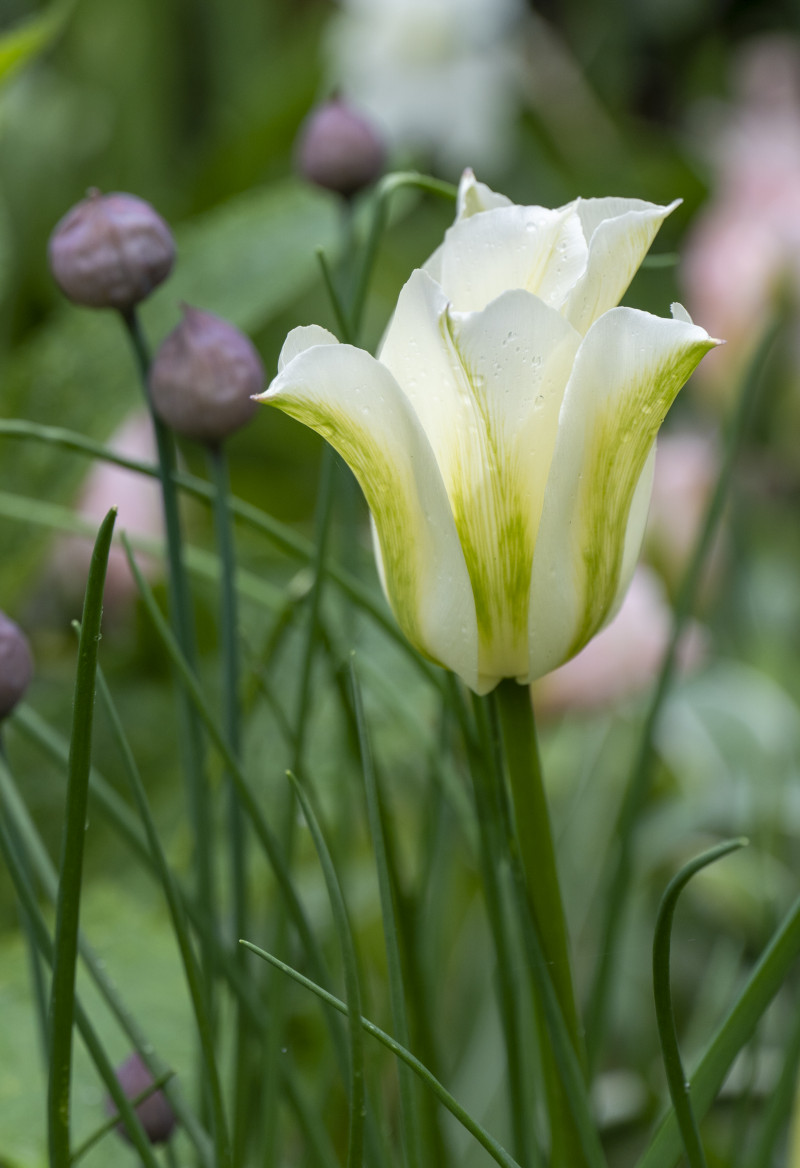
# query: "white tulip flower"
{"type": "Point", "coordinates": [504, 437]}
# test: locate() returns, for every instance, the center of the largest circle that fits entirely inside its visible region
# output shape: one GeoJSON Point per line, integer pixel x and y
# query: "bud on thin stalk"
{"type": "Point", "coordinates": [340, 150]}
{"type": "Point", "coordinates": [204, 376]}
{"type": "Point", "coordinates": [111, 251]}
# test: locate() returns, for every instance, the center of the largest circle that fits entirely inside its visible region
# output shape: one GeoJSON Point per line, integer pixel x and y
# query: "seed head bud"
{"type": "Point", "coordinates": [155, 1112]}
{"type": "Point", "coordinates": [16, 665]}
{"type": "Point", "coordinates": [110, 251]}
{"type": "Point", "coordinates": [204, 376]}
{"type": "Point", "coordinates": [340, 150]}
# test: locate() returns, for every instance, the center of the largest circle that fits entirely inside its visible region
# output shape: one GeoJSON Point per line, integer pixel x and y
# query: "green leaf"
{"type": "Point", "coordinates": [27, 40]}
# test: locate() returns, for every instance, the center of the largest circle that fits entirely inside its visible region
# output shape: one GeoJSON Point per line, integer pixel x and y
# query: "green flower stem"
{"type": "Point", "coordinates": [662, 992]}
{"type": "Point", "coordinates": [237, 835]}
{"type": "Point", "coordinates": [62, 998]}
{"type": "Point", "coordinates": [492, 838]}
{"type": "Point", "coordinates": [532, 838]}
{"type": "Point", "coordinates": [180, 606]}
{"type": "Point", "coordinates": [619, 883]}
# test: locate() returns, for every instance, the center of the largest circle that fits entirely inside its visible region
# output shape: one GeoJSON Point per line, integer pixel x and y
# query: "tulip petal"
{"type": "Point", "coordinates": [533, 248]}
{"type": "Point", "coordinates": [474, 197]}
{"type": "Point", "coordinates": [619, 233]}
{"type": "Point", "coordinates": [627, 373]}
{"type": "Point", "coordinates": [487, 387]}
{"type": "Point", "coordinates": [357, 406]}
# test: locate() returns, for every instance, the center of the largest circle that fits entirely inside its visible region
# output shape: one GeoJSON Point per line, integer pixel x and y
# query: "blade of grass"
{"type": "Point", "coordinates": [62, 997]}
{"type": "Point", "coordinates": [409, 1125]}
{"type": "Point", "coordinates": [355, 1151]}
{"type": "Point", "coordinates": [736, 1029]}
{"type": "Point", "coordinates": [662, 993]}
{"type": "Point", "coordinates": [99, 1133]}
{"type": "Point", "coordinates": [487, 1141]}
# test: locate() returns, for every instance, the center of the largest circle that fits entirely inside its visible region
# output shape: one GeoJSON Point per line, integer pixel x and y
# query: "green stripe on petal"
{"type": "Point", "coordinates": [487, 387]}
{"type": "Point", "coordinates": [627, 373]}
{"type": "Point", "coordinates": [355, 403]}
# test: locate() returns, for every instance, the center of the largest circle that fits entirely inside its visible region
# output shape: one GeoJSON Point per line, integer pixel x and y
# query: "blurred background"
{"type": "Point", "coordinates": [196, 106]}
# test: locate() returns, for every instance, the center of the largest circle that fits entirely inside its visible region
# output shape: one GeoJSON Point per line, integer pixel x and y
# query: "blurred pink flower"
{"type": "Point", "coordinates": [745, 245]}
{"type": "Point", "coordinates": [687, 466]}
{"type": "Point", "coordinates": [138, 500]}
{"type": "Point", "coordinates": [624, 658]}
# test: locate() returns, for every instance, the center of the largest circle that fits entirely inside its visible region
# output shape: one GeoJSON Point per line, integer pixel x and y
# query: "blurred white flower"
{"type": "Point", "coordinates": [438, 76]}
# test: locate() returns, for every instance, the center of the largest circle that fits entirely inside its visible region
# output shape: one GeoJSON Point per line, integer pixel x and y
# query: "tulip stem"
{"type": "Point", "coordinates": [532, 840]}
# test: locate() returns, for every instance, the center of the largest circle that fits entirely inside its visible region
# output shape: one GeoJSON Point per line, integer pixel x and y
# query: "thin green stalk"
{"type": "Point", "coordinates": [93, 1044]}
{"type": "Point", "coordinates": [62, 998]}
{"type": "Point", "coordinates": [495, 1150]}
{"type": "Point", "coordinates": [662, 992]}
{"type": "Point", "coordinates": [180, 608]}
{"type": "Point", "coordinates": [384, 190]}
{"type": "Point", "coordinates": [192, 971]}
{"type": "Point", "coordinates": [37, 861]}
{"type": "Point", "coordinates": [358, 1098]}
{"type": "Point", "coordinates": [236, 835]}
{"type": "Point", "coordinates": [618, 885]}
{"type": "Point", "coordinates": [409, 1126]}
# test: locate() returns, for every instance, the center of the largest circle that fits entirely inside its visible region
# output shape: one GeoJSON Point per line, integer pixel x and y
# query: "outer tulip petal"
{"type": "Point", "coordinates": [620, 232]}
{"type": "Point", "coordinates": [533, 248]}
{"type": "Point", "coordinates": [627, 372]}
{"type": "Point", "coordinates": [355, 404]}
{"type": "Point", "coordinates": [487, 387]}
{"type": "Point", "coordinates": [474, 197]}
{"type": "Point", "coordinates": [302, 338]}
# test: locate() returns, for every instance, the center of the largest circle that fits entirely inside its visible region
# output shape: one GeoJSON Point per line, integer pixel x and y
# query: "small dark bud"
{"type": "Point", "coordinates": [16, 665]}
{"type": "Point", "coordinates": [111, 251]}
{"type": "Point", "coordinates": [204, 376]}
{"type": "Point", "coordinates": [155, 1112]}
{"type": "Point", "coordinates": [340, 150]}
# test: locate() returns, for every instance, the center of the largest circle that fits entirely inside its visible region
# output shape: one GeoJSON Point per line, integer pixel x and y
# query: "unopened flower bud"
{"type": "Point", "coordinates": [204, 376]}
{"type": "Point", "coordinates": [16, 665]}
{"type": "Point", "coordinates": [155, 1112]}
{"type": "Point", "coordinates": [340, 150]}
{"type": "Point", "coordinates": [111, 251]}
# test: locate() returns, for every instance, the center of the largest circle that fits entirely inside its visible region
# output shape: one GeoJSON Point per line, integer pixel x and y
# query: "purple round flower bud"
{"type": "Point", "coordinates": [339, 149]}
{"type": "Point", "coordinates": [16, 665]}
{"type": "Point", "coordinates": [110, 251]}
{"type": "Point", "coordinates": [155, 1112]}
{"type": "Point", "coordinates": [204, 376]}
